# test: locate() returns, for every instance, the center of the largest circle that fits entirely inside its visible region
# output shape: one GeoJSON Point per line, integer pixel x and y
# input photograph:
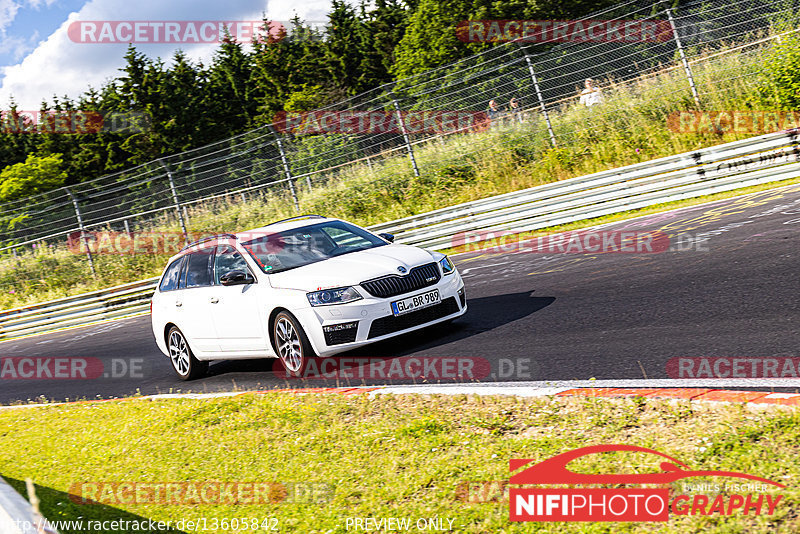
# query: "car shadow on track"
{"type": "Point", "coordinates": [484, 314]}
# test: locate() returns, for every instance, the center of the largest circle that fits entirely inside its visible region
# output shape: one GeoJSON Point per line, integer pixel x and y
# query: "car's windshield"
{"type": "Point", "coordinates": [294, 248]}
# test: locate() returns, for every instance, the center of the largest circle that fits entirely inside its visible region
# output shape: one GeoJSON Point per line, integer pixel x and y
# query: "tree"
{"type": "Point", "coordinates": [36, 175]}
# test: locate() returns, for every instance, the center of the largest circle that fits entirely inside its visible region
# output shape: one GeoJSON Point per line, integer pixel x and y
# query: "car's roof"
{"type": "Point", "coordinates": [281, 226]}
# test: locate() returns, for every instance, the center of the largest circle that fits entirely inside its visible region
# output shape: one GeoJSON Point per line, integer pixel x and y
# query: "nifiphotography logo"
{"type": "Point", "coordinates": [627, 504]}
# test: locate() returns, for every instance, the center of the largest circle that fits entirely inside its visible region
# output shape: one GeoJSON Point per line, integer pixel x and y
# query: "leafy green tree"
{"type": "Point", "coordinates": [230, 97]}
{"type": "Point", "coordinates": [36, 175]}
{"type": "Point", "coordinates": [430, 40]}
{"type": "Point", "coordinates": [385, 26]}
{"type": "Point", "coordinates": [781, 80]}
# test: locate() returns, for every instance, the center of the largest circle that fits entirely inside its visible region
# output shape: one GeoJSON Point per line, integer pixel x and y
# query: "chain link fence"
{"type": "Point", "coordinates": [542, 77]}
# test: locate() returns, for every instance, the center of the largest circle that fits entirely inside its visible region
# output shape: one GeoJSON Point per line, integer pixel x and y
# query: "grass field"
{"type": "Point", "coordinates": [336, 457]}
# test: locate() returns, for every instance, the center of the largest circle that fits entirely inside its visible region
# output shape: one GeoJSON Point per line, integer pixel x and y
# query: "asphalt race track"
{"type": "Point", "coordinates": [727, 288]}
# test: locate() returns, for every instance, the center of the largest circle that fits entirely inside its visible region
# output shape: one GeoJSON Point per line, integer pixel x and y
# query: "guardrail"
{"type": "Point", "coordinates": [725, 167]}
{"type": "Point", "coordinates": [17, 516]}
{"type": "Point", "coordinates": [745, 163]}
{"type": "Point", "coordinates": [114, 303]}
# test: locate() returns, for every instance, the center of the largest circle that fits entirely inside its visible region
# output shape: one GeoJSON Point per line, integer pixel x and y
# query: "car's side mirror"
{"type": "Point", "coordinates": [387, 237]}
{"type": "Point", "coordinates": [236, 278]}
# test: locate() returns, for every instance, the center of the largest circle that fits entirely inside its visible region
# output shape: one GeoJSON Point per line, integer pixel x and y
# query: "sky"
{"type": "Point", "coordinates": [39, 58]}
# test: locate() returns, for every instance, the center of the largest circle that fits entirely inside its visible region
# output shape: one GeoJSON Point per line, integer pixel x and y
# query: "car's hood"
{"type": "Point", "coordinates": [351, 269]}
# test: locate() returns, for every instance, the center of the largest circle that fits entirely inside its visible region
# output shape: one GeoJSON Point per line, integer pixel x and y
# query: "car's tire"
{"type": "Point", "coordinates": [291, 344]}
{"type": "Point", "coordinates": [186, 366]}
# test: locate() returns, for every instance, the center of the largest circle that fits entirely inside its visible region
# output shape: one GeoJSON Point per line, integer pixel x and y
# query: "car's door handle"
{"type": "Point", "coordinates": [213, 300]}
{"type": "Point", "coordinates": [178, 303]}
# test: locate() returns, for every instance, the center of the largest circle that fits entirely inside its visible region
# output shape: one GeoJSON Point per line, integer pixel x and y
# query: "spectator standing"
{"type": "Point", "coordinates": [591, 95]}
{"type": "Point", "coordinates": [514, 109]}
{"type": "Point", "coordinates": [493, 112]}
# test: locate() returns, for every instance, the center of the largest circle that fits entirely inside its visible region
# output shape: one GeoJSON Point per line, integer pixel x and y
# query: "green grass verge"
{"type": "Point", "coordinates": [391, 456]}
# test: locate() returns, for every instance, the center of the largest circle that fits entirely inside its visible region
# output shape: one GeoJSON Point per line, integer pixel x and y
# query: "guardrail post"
{"type": "Point", "coordinates": [685, 61]}
{"type": "Point", "coordinates": [175, 201]}
{"type": "Point", "coordinates": [542, 105]}
{"type": "Point", "coordinates": [286, 169]}
{"type": "Point", "coordinates": [18, 516]}
{"type": "Point", "coordinates": [407, 140]}
{"type": "Point", "coordinates": [82, 230]}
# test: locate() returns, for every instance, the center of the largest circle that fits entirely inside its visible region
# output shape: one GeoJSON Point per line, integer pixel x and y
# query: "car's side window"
{"type": "Point", "coordinates": [227, 260]}
{"type": "Point", "coordinates": [171, 276]}
{"type": "Point", "coordinates": [198, 268]}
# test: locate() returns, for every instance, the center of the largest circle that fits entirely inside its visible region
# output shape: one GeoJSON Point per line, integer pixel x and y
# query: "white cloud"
{"type": "Point", "coordinates": [60, 67]}
{"type": "Point", "coordinates": [8, 10]}
{"type": "Point", "coordinates": [18, 47]}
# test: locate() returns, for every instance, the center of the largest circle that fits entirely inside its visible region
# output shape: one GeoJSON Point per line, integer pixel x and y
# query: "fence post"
{"type": "Point", "coordinates": [286, 169]}
{"type": "Point", "coordinates": [542, 106]}
{"type": "Point", "coordinates": [685, 61]}
{"type": "Point", "coordinates": [82, 230]}
{"type": "Point", "coordinates": [407, 140]}
{"type": "Point", "coordinates": [175, 201]}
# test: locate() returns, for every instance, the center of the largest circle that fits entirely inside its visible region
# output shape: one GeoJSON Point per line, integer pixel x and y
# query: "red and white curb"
{"type": "Point", "coordinates": [499, 388]}
{"type": "Point", "coordinates": [676, 393]}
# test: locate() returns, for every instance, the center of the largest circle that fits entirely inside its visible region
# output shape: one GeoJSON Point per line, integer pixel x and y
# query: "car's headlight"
{"type": "Point", "coordinates": [339, 295]}
{"type": "Point", "coordinates": [447, 265]}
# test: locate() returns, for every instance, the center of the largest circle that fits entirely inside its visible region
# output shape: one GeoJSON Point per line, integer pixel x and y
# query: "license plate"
{"type": "Point", "coordinates": [417, 302]}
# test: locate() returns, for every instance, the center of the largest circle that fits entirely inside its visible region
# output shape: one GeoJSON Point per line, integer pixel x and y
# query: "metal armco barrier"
{"type": "Point", "coordinates": [114, 303]}
{"type": "Point", "coordinates": [753, 161]}
{"type": "Point", "coordinates": [758, 160]}
{"type": "Point", "coordinates": [17, 516]}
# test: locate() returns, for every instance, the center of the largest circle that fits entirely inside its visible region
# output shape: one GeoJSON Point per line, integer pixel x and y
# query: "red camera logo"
{"type": "Point", "coordinates": [624, 504]}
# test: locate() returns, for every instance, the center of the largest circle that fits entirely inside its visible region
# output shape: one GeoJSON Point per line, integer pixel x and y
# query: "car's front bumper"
{"type": "Point", "coordinates": [371, 319]}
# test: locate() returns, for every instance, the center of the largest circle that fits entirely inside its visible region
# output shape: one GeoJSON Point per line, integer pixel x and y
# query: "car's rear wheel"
{"type": "Point", "coordinates": [183, 361]}
{"type": "Point", "coordinates": [291, 344]}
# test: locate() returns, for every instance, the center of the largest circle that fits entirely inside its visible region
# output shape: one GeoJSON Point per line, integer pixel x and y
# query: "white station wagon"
{"type": "Point", "coordinates": [302, 287]}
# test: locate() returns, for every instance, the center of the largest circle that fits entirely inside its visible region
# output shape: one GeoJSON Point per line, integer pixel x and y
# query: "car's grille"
{"type": "Point", "coordinates": [390, 323]}
{"type": "Point", "coordinates": [342, 336]}
{"type": "Point", "coordinates": [393, 285]}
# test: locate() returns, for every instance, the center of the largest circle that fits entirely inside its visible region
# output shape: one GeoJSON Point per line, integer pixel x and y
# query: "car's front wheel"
{"type": "Point", "coordinates": [291, 344]}
{"type": "Point", "coordinates": [183, 361]}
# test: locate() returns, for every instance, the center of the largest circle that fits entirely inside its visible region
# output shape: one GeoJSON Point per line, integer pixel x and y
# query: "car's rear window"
{"type": "Point", "coordinates": [294, 248]}
{"type": "Point", "coordinates": [171, 276]}
{"type": "Point", "coordinates": [198, 268]}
